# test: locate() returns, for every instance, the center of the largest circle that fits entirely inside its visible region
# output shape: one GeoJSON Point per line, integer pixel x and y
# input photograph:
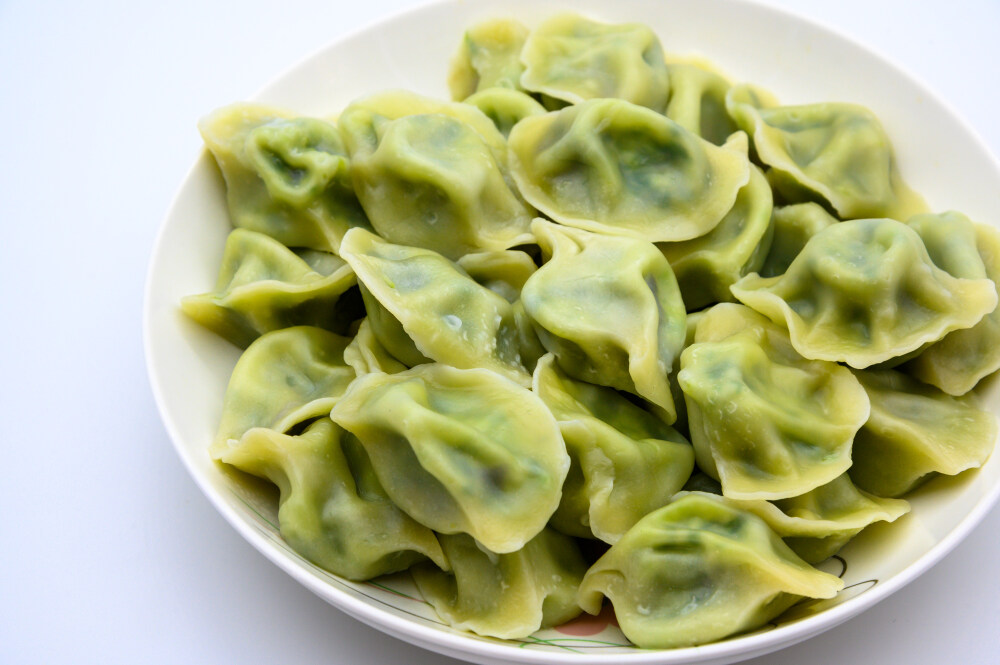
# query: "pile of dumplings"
{"type": "Point", "coordinates": [603, 327]}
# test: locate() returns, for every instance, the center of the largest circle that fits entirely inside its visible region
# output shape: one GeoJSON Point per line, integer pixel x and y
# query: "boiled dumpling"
{"type": "Point", "coordinates": [699, 570]}
{"type": "Point", "coordinates": [264, 286]}
{"type": "Point", "coordinates": [865, 291]}
{"type": "Point", "coordinates": [286, 176]}
{"type": "Point", "coordinates": [698, 101]}
{"type": "Point", "coordinates": [284, 378]}
{"type": "Point", "coordinates": [505, 107]}
{"type": "Point", "coordinates": [572, 58]}
{"type": "Point", "coordinates": [766, 422]}
{"type": "Point", "coordinates": [367, 355]}
{"type": "Point", "coordinates": [489, 57]}
{"type": "Point", "coordinates": [460, 450]}
{"type": "Point", "coordinates": [422, 306]}
{"type": "Point", "coordinates": [916, 432]}
{"type": "Point", "coordinates": [613, 167]}
{"type": "Point", "coordinates": [625, 461]}
{"type": "Point", "coordinates": [609, 308]}
{"type": "Point", "coordinates": [833, 153]}
{"type": "Point", "coordinates": [433, 174]}
{"type": "Point", "coordinates": [332, 509]}
{"type": "Point", "coordinates": [971, 251]}
{"type": "Point", "coordinates": [503, 272]}
{"type": "Point", "coordinates": [505, 595]}
{"type": "Point", "coordinates": [793, 225]}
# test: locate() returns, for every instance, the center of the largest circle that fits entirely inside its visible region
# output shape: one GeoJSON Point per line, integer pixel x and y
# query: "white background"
{"type": "Point", "coordinates": [109, 553]}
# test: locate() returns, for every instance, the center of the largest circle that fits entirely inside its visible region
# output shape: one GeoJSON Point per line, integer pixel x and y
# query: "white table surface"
{"type": "Point", "coordinates": [110, 553]}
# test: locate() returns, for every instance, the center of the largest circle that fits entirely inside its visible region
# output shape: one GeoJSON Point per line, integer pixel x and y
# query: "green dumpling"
{"type": "Point", "coordinates": [433, 174]}
{"type": "Point", "coordinates": [916, 432]}
{"type": "Point", "coordinates": [423, 307]}
{"type": "Point", "coordinates": [505, 107]}
{"type": "Point", "coordinates": [837, 154]}
{"type": "Point", "coordinates": [286, 176]}
{"type": "Point", "coordinates": [332, 509]}
{"type": "Point", "coordinates": [284, 378]}
{"type": "Point", "coordinates": [505, 595]}
{"type": "Point", "coordinates": [625, 462]}
{"type": "Point", "coordinates": [367, 355]}
{"type": "Point", "coordinates": [707, 266]}
{"type": "Point", "coordinates": [460, 451]}
{"type": "Point", "coordinates": [765, 422]}
{"type": "Point", "coordinates": [489, 58]}
{"type": "Point", "coordinates": [698, 101]}
{"type": "Point", "coordinates": [793, 225]}
{"type": "Point", "coordinates": [964, 249]}
{"type": "Point", "coordinates": [609, 309]}
{"type": "Point", "coordinates": [696, 571]}
{"type": "Point", "coordinates": [864, 292]}
{"type": "Point", "coordinates": [264, 286]}
{"type": "Point", "coordinates": [609, 166]}
{"type": "Point", "coordinates": [573, 58]}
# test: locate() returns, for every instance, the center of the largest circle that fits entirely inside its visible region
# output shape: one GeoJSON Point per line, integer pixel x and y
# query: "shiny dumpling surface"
{"type": "Point", "coordinates": [764, 421]}
{"type": "Point", "coordinates": [837, 153]}
{"type": "Point", "coordinates": [460, 450]}
{"type": "Point", "coordinates": [707, 266]}
{"type": "Point", "coordinates": [284, 378]}
{"type": "Point", "coordinates": [609, 308]}
{"type": "Point", "coordinates": [625, 461]}
{"type": "Point", "coordinates": [332, 509]}
{"type": "Point", "coordinates": [286, 176]}
{"type": "Point", "coordinates": [699, 570]}
{"type": "Point", "coordinates": [793, 226]}
{"type": "Point", "coordinates": [964, 249]}
{"type": "Point", "coordinates": [489, 57]}
{"type": "Point", "coordinates": [264, 286]}
{"type": "Point", "coordinates": [505, 595]}
{"type": "Point", "coordinates": [505, 107]}
{"type": "Point", "coordinates": [433, 174]}
{"type": "Point", "coordinates": [573, 58]}
{"type": "Point", "coordinates": [916, 432]}
{"type": "Point", "coordinates": [609, 166]}
{"type": "Point", "coordinates": [416, 296]}
{"type": "Point", "coordinates": [366, 355]}
{"type": "Point", "coordinates": [865, 291]}
{"type": "Point", "coordinates": [698, 101]}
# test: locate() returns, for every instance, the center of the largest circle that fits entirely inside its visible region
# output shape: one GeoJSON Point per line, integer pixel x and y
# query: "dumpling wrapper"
{"type": "Point", "coordinates": [698, 101]}
{"type": "Point", "coordinates": [460, 451]}
{"type": "Point", "coordinates": [696, 571]}
{"type": "Point", "coordinates": [332, 509]}
{"type": "Point", "coordinates": [793, 226]}
{"type": "Point", "coordinates": [488, 58]}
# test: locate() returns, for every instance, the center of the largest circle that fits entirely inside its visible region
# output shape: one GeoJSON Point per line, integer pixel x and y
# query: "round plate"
{"type": "Point", "coordinates": [797, 60]}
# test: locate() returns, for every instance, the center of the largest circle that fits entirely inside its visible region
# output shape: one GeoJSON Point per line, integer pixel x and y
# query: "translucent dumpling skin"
{"type": "Point", "coordinates": [865, 291]}
{"type": "Point", "coordinates": [764, 421]}
{"type": "Point", "coordinates": [699, 570]}
{"type": "Point", "coordinates": [332, 510]}
{"type": "Point", "coordinates": [613, 167]}
{"type": "Point", "coordinates": [460, 450]}
{"type": "Point", "coordinates": [286, 176]}
{"type": "Point", "coordinates": [505, 595]}
{"type": "Point", "coordinates": [489, 57]}
{"type": "Point", "coordinates": [609, 309]}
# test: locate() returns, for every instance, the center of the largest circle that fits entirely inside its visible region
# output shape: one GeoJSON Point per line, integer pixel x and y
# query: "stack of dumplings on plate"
{"type": "Point", "coordinates": [604, 327]}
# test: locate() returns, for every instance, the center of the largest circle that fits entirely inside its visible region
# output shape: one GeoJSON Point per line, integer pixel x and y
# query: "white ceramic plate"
{"type": "Point", "coordinates": [800, 62]}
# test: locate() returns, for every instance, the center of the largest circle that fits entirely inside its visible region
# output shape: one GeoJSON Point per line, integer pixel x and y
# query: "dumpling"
{"type": "Point", "coordinates": [433, 174]}
{"type": "Point", "coordinates": [284, 378]}
{"type": "Point", "coordinates": [613, 167]}
{"type": "Point", "coordinates": [817, 524]}
{"type": "Point", "coordinates": [698, 570]}
{"type": "Point", "coordinates": [764, 421]}
{"type": "Point", "coordinates": [707, 266]}
{"type": "Point", "coordinates": [489, 57]}
{"type": "Point", "coordinates": [332, 509]}
{"type": "Point", "coordinates": [503, 272]}
{"type": "Point", "coordinates": [574, 59]}
{"type": "Point", "coordinates": [460, 451]}
{"type": "Point", "coordinates": [865, 291]}
{"type": "Point", "coordinates": [418, 297]}
{"type": "Point", "coordinates": [681, 424]}
{"type": "Point", "coordinates": [367, 355]}
{"type": "Point", "coordinates": [505, 107]}
{"type": "Point", "coordinates": [698, 101]}
{"type": "Point", "coordinates": [956, 363]}
{"type": "Point", "coordinates": [609, 308]}
{"type": "Point", "coordinates": [264, 286]}
{"type": "Point", "coordinates": [286, 176]}
{"type": "Point", "coordinates": [915, 433]}
{"type": "Point", "coordinates": [833, 153]}
{"type": "Point", "coordinates": [793, 225]}
{"type": "Point", "coordinates": [505, 595]}
{"type": "Point", "coordinates": [625, 462]}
